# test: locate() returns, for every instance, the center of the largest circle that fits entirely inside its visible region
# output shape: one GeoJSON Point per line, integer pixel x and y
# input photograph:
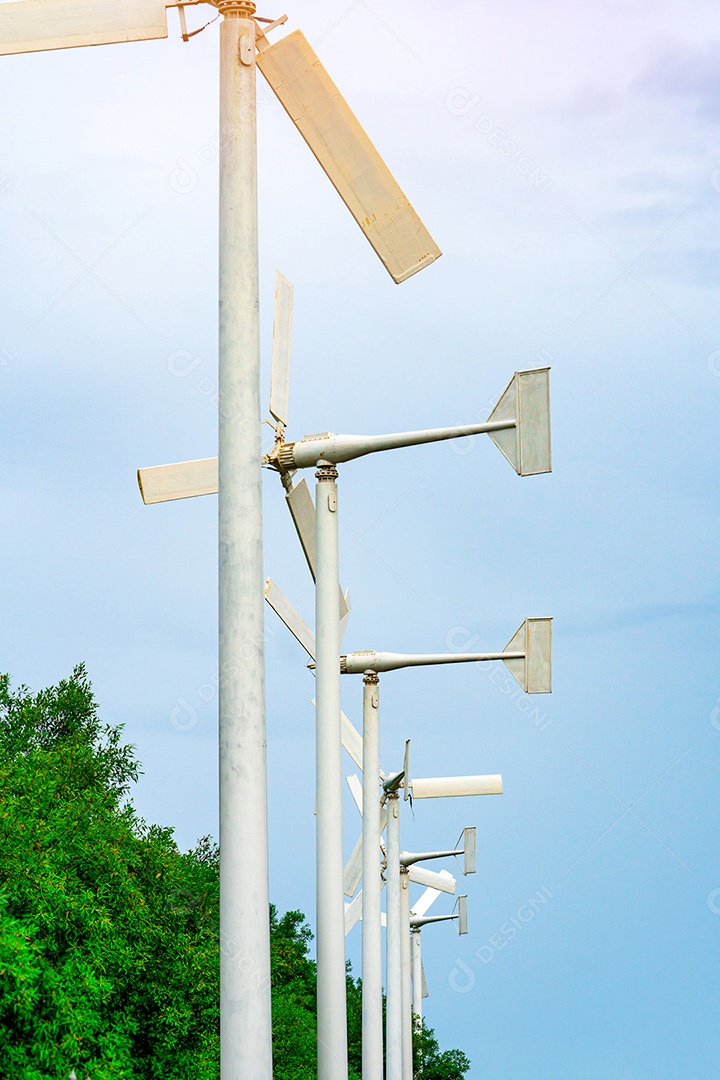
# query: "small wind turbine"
{"type": "Point", "coordinates": [417, 922]}
{"type": "Point", "coordinates": [398, 1040]}
{"type": "Point", "coordinates": [398, 236]}
{"type": "Point", "coordinates": [520, 427]}
{"type": "Point", "coordinates": [528, 657]}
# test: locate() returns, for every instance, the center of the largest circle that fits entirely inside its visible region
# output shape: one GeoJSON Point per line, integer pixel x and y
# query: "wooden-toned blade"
{"type": "Point", "coordinates": [346, 155]}
{"type": "Point", "coordinates": [282, 337]}
{"type": "Point", "coordinates": [292, 619]}
{"type": "Point", "coordinates": [36, 25]}
{"type": "Point", "coordinates": [165, 483]}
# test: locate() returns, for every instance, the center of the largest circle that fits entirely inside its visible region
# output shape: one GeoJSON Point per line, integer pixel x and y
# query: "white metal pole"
{"type": "Point", "coordinates": [331, 985]}
{"type": "Point", "coordinates": [372, 1024]}
{"type": "Point", "coordinates": [416, 945]}
{"type": "Point", "coordinates": [245, 1018]}
{"type": "Point", "coordinates": [407, 1068]}
{"type": "Point", "coordinates": [393, 947]}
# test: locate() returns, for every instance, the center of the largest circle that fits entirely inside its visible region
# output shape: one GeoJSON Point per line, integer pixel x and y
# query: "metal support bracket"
{"type": "Point", "coordinates": [260, 40]}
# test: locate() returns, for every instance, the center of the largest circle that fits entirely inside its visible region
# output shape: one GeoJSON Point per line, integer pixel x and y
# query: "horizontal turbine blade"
{"type": "Point", "coordinates": [165, 483]}
{"type": "Point", "coordinates": [443, 787]}
{"type": "Point", "coordinates": [346, 155]}
{"type": "Point", "coordinates": [441, 882]}
{"type": "Point", "coordinates": [36, 25]}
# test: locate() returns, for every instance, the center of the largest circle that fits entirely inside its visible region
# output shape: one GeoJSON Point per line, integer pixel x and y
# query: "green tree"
{"type": "Point", "coordinates": [109, 937]}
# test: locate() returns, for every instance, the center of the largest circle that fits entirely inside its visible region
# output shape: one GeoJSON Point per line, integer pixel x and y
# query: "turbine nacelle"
{"type": "Point", "coordinates": [527, 656]}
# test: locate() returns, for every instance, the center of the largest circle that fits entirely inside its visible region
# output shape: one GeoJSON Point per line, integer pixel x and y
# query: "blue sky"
{"type": "Point", "coordinates": [600, 258]}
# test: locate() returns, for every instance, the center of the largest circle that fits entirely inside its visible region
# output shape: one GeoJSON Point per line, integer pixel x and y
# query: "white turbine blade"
{"type": "Point", "coordinates": [533, 671]}
{"type": "Point", "coordinates": [302, 510]}
{"type": "Point", "coordinates": [184, 480]}
{"type": "Point", "coordinates": [429, 896]}
{"type": "Point", "coordinates": [353, 782]}
{"type": "Point", "coordinates": [421, 876]}
{"type": "Point", "coordinates": [37, 25]}
{"type": "Point", "coordinates": [425, 901]}
{"type": "Point", "coordinates": [345, 153]}
{"type": "Point", "coordinates": [353, 911]}
{"type": "Point", "coordinates": [294, 621]}
{"type": "Point", "coordinates": [344, 619]}
{"type": "Point", "coordinates": [352, 874]}
{"type": "Point", "coordinates": [282, 336]}
{"type": "Point", "coordinates": [424, 983]}
{"type": "Point", "coordinates": [442, 787]}
{"type": "Point", "coordinates": [352, 741]}
{"type": "Point", "coordinates": [407, 783]}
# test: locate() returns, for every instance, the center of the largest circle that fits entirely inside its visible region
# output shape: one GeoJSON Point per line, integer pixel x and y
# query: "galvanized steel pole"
{"type": "Point", "coordinates": [372, 1024]}
{"type": "Point", "coordinates": [416, 946]}
{"type": "Point", "coordinates": [245, 1018]}
{"type": "Point", "coordinates": [393, 946]}
{"type": "Point", "coordinates": [331, 985]}
{"type": "Point", "coordinates": [407, 1069]}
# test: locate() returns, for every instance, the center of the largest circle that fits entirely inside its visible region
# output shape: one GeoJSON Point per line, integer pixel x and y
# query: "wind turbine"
{"type": "Point", "coordinates": [398, 1040]}
{"type": "Point", "coordinates": [520, 427]}
{"type": "Point", "coordinates": [379, 206]}
{"type": "Point", "coordinates": [528, 656]}
{"type": "Point", "coordinates": [417, 922]}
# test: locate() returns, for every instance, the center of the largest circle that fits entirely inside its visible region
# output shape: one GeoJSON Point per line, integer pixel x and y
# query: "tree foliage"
{"type": "Point", "coordinates": [109, 942]}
